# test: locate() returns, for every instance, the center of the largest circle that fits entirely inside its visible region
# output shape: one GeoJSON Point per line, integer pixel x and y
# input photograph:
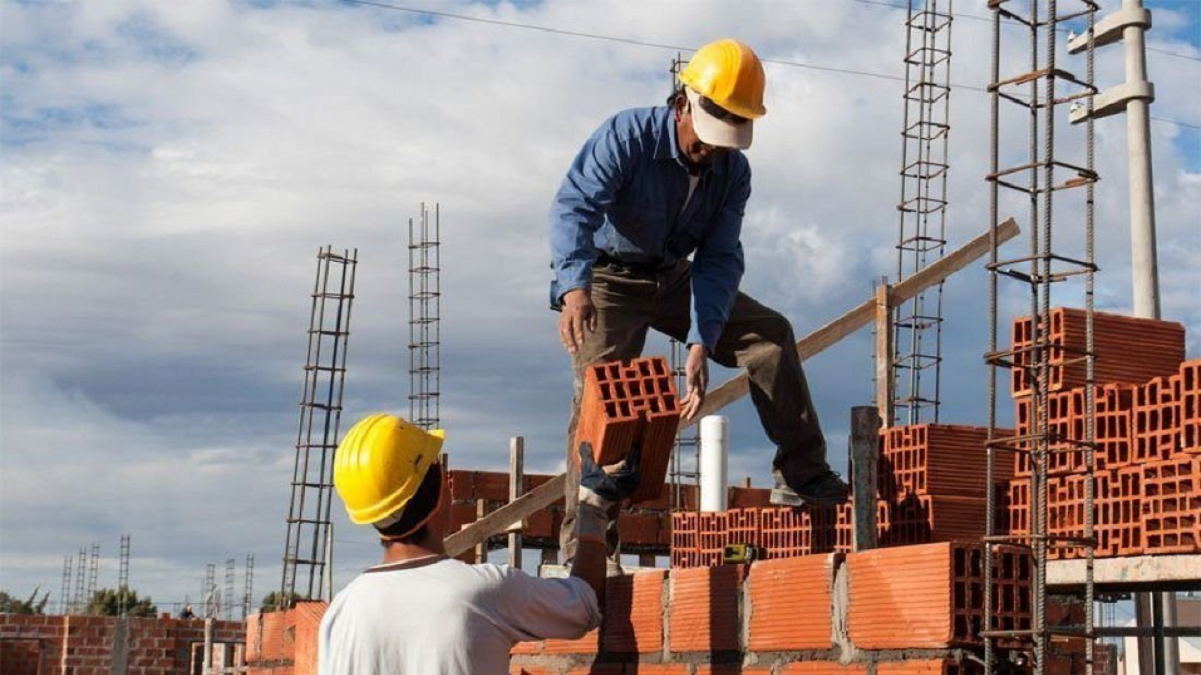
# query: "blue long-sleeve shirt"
{"type": "Point", "coordinates": [623, 196]}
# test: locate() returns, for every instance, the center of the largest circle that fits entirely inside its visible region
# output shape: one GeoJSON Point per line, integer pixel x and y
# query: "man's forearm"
{"type": "Point", "coordinates": [590, 565]}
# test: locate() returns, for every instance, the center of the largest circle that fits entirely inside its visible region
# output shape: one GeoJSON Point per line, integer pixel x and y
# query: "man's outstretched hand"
{"type": "Point", "coordinates": [696, 379]}
{"type": "Point", "coordinates": [579, 315]}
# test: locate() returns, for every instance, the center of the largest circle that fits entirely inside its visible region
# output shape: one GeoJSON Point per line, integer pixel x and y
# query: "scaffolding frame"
{"type": "Point", "coordinates": [1033, 178]}
{"type": "Point", "coordinates": [425, 319]}
{"type": "Point", "coordinates": [306, 547]}
{"type": "Point", "coordinates": [925, 126]}
{"type": "Point", "coordinates": [227, 597]}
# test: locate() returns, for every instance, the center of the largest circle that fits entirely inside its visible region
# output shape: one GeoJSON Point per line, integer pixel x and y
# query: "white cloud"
{"type": "Point", "coordinates": [170, 171]}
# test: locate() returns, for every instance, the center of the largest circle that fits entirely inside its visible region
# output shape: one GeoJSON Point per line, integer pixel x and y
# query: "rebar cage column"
{"type": "Point", "coordinates": [917, 324]}
{"type": "Point", "coordinates": [305, 548]}
{"type": "Point", "coordinates": [1034, 93]}
{"type": "Point", "coordinates": [425, 319]}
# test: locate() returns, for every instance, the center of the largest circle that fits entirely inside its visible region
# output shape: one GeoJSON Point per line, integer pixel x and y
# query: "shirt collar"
{"type": "Point", "coordinates": [668, 146]}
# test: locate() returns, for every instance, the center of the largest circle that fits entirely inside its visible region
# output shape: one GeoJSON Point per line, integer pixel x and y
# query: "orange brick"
{"type": "Point", "coordinates": [307, 619]}
{"type": "Point", "coordinates": [823, 668]}
{"type": "Point", "coordinates": [931, 596]}
{"type": "Point", "coordinates": [633, 620]}
{"type": "Point", "coordinates": [589, 644]}
{"type": "Point", "coordinates": [704, 609]}
{"type": "Point", "coordinates": [790, 605]}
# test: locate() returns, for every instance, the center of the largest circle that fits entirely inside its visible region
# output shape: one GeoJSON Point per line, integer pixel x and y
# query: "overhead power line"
{"type": "Point", "coordinates": [680, 48]}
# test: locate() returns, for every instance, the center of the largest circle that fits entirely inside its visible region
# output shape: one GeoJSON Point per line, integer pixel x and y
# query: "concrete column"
{"type": "Point", "coordinates": [1144, 263]}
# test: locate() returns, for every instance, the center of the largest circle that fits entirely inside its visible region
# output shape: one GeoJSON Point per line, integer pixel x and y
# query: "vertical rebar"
{"type": "Point", "coordinates": [248, 591]}
{"type": "Point", "coordinates": [228, 595]}
{"type": "Point", "coordinates": [64, 596]}
{"type": "Point", "coordinates": [123, 577]}
{"type": "Point", "coordinates": [319, 426]}
{"type": "Point", "coordinates": [209, 590]}
{"type": "Point", "coordinates": [686, 455]}
{"type": "Point", "coordinates": [93, 572]}
{"type": "Point", "coordinates": [425, 319]}
{"type": "Point", "coordinates": [990, 525]}
{"type": "Point", "coordinates": [917, 324]}
{"type": "Point", "coordinates": [1036, 359]}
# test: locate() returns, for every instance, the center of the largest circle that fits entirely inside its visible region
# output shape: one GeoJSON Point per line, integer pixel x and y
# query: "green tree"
{"type": "Point", "coordinates": [10, 604]}
{"type": "Point", "coordinates": [107, 602]}
{"type": "Point", "coordinates": [275, 601]}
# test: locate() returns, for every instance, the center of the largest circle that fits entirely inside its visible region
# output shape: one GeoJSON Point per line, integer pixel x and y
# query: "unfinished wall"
{"type": "Point", "coordinates": [284, 643]}
{"type": "Point", "coordinates": [104, 645]}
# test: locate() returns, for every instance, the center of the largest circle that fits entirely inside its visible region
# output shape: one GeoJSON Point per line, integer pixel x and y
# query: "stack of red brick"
{"type": "Point", "coordinates": [790, 616]}
{"type": "Point", "coordinates": [92, 645]}
{"type": "Point", "coordinates": [928, 490]}
{"type": "Point", "coordinates": [1147, 435]}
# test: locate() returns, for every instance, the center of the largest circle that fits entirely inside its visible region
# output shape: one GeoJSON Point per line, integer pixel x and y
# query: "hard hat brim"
{"type": "Point", "coordinates": [717, 132]}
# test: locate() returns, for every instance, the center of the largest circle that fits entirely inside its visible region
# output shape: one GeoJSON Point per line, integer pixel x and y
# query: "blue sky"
{"type": "Point", "coordinates": [169, 171]}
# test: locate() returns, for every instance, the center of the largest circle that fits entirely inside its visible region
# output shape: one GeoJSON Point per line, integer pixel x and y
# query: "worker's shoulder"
{"type": "Point", "coordinates": [636, 123]}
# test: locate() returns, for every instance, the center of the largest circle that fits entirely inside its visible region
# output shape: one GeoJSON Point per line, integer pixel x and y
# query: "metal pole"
{"type": "Point", "coordinates": [1144, 265]}
{"type": "Point", "coordinates": [516, 471]}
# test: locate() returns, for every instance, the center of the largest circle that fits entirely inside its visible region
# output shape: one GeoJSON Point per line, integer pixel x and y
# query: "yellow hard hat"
{"type": "Point", "coordinates": [728, 73]}
{"type": "Point", "coordinates": [380, 464]}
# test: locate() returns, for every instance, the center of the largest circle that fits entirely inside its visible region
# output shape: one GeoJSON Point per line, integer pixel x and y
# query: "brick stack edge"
{"type": "Point", "coordinates": [627, 403]}
{"type": "Point", "coordinates": [89, 645]}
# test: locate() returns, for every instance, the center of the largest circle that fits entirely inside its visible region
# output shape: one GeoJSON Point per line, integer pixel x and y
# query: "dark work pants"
{"type": "Point", "coordinates": [755, 337]}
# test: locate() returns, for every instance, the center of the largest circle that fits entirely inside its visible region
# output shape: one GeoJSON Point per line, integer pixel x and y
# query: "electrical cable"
{"type": "Point", "coordinates": [679, 48]}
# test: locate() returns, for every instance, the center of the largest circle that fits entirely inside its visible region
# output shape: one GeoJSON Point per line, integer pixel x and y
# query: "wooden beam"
{"type": "Point", "coordinates": [551, 491]}
{"type": "Point", "coordinates": [845, 325]}
{"type": "Point", "coordinates": [516, 471]}
{"type": "Point", "coordinates": [885, 383]}
{"type": "Point", "coordinates": [514, 512]}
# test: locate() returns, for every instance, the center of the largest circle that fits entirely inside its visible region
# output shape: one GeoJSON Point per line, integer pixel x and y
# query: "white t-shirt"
{"type": "Point", "coordinates": [439, 616]}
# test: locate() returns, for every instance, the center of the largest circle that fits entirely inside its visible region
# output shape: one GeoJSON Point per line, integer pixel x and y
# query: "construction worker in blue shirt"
{"type": "Point", "coordinates": [650, 187]}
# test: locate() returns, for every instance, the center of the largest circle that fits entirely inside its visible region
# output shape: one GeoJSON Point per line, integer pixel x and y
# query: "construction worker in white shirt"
{"type": "Point", "coordinates": [420, 612]}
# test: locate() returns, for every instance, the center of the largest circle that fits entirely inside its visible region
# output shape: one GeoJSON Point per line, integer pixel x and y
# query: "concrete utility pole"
{"type": "Point", "coordinates": [1134, 96]}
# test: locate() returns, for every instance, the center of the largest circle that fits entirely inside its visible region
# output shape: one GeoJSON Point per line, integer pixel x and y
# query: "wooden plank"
{"type": "Point", "coordinates": [865, 452]}
{"type": "Point", "coordinates": [861, 315]}
{"type": "Point", "coordinates": [549, 492]}
{"type": "Point", "coordinates": [535, 500]}
{"type": "Point", "coordinates": [516, 471]}
{"type": "Point", "coordinates": [885, 383]}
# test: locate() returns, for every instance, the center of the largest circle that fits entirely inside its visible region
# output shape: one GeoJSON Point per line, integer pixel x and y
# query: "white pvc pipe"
{"type": "Point", "coordinates": [715, 441]}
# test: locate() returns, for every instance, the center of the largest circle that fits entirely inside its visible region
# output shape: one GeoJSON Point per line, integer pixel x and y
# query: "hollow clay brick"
{"type": "Point", "coordinates": [790, 605]}
{"type": "Point", "coordinates": [633, 620]}
{"type": "Point", "coordinates": [1128, 349]}
{"type": "Point", "coordinates": [704, 609]}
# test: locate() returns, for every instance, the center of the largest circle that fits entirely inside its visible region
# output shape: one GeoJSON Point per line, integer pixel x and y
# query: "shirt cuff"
{"type": "Point", "coordinates": [706, 334]}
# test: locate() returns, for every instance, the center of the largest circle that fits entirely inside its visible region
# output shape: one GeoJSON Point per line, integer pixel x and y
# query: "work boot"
{"type": "Point", "coordinates": [827, 489]}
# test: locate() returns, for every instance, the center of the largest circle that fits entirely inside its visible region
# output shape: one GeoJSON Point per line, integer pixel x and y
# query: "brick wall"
{"type": "Point", "coordinates": [862, 613]}
{"type": "Point", "coordinates": [284, 643]}
{"type": "Point", "coordinates": [103, 645]}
